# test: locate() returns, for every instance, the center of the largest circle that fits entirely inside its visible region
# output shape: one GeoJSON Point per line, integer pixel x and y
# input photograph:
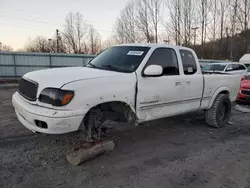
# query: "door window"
{"type": "Point", "coordinates": [188, 61]}
{"type": "Point", "coordinates": [165, 57]}
{"type": "Point", "coordinates": [237, 67]}
{"type": "Point", "coordinates": [241, 67]}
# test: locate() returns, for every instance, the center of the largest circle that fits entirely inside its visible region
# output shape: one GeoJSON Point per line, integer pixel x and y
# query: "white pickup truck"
{"type": "Point", "coordinates": [132, 82]}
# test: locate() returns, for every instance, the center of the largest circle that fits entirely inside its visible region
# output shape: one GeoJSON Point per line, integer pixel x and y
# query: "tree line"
{"type": "Point", "coordinates": [4, 47]}
{"type": "Point", "coordinates": [217, 29]}
{"type": "Point", "coordinates": [213, 28]}
{"type": "Point", "coordinates": [77, 37]}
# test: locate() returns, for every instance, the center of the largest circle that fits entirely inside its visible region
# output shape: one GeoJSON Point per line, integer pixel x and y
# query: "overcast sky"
{"type": "Point", "coordinates": [24, 19]}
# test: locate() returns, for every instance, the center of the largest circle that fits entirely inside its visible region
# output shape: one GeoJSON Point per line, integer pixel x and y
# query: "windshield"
{"type": "Point", "coordinates": [213, 67]}
{"type": "Point", "coordinates": [203, 63]}
{"type": "Point", "coordinates": [120, 58]}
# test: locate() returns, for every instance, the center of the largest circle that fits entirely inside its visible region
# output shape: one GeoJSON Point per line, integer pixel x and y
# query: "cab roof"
{"type": "Point", "coordinates": [154, 45]}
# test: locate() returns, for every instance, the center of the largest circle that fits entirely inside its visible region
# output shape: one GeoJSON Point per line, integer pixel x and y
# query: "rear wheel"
{"type": "Point", "coordinates": [219, 114]}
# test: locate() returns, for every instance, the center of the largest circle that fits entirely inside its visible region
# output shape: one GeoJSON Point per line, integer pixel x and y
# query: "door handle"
{"type": "Point", "coordinates": [177, 83]}
{"type": "Point", "coordinates": [188, 82]}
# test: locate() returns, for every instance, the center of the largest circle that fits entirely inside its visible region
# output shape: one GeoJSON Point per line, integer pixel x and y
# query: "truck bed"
{"type": "Point", "coordinates": [214, 83]}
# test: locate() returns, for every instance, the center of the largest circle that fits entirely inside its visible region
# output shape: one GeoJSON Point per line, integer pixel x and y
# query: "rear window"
{"type": "Point", "coordinates": [188, 61]}
{"type": "Point", "coordinates": [238, 67]}
{"type": "Point", "coordinates": [212, 67]}
{"type": "Point", "coordinates": [203, 63]}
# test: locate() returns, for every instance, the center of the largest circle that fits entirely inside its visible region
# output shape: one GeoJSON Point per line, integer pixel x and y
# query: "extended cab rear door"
{"type": "Point", "coordinates": [193, 80]}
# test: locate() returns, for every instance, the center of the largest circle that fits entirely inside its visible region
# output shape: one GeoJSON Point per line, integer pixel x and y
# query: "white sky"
{"type": "Point", "coordinates": [23, 19]}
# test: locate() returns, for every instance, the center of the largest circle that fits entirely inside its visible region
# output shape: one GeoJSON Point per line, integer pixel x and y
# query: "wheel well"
{"type": "Point", "coordinates": [116, 111]}
{"type": "Point", "coordinates": [224, 92]}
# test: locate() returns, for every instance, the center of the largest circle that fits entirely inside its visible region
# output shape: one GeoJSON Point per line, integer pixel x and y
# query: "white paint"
{"type": "Point", "coordinates": [245, 59]}
{"type": "Point", "coordinates": [160, 90]}
{"type": "Point", "coordinates": [157, 97]}
{"type": "Point", "coordinates": [89, 93]}
{"type": "Point", "coordinates": [58, 121]}
{"type": "Point", "coordinates": [153, 70]}
{"type": "Point", "coordinates": [57, 77]}
{"type": "Point", "coordinates": [214, 84]}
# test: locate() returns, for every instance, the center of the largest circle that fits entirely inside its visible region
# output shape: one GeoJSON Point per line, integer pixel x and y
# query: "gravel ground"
{"type": "Point", "coordinates": [174, 152]}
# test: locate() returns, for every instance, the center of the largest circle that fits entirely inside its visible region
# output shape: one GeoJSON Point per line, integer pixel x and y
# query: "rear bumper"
{"type": "Point", "coordinates": [58, 122]}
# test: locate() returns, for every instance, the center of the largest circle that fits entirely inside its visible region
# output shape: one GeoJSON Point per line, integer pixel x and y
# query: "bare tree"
{"type": "Point", "coordinates": [155, 9]}
{"type": "Point", "coordinates": [223, 7]}
{"type": "Point", "coordinates": [243, 14]}
{"type": "Point", "coordinates": [143, 20]}
{"type": "Point", "coordinates": [244, 17]}
{"type": "Point", "coordinates": [6, 48]}
{"type": "Point", "coordinates": [188, 20]}
{"type": "Point", "coordinates": [111, 41]}
{"type": "Point", "coordinates": [40, 44]}
{"type": "Point", "coordinates": [203, 11]}
{"type": "Point", "coordinates": [214, 14]}
{"type": "Point", "coordinates": [174, 7]}
{"type": "Point", "coordinates": [125, 27]}
{"type": "Point", "coordinates": [233, 19]}
{"type": "Point", "coordinates": [74, 32]}
{"type": "Point", "coordinates": [94, 40]}
{"type": "Point", "coordinates": [246, 14]}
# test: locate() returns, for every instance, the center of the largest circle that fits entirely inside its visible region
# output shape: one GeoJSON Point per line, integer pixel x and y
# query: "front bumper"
{"type": "Point", "coordinates": [243, 98]}
{"type": "Point", "coordinates": [58, 121]}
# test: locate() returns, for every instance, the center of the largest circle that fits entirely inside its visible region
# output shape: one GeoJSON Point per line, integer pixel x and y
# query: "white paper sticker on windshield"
{"type": "Point", "coordinates": [137, 53]}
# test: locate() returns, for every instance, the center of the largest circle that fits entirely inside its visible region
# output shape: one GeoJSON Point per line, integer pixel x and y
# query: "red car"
{"type": "Point", "coordinates": [244, 93]}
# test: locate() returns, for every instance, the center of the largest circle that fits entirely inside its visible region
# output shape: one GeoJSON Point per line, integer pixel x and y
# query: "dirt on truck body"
{"type": "Point", "coordinates": [173, 152]}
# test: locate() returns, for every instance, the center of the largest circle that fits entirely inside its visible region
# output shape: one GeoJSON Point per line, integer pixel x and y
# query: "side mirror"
{"type": "Point", "coordinates": [153, 70]}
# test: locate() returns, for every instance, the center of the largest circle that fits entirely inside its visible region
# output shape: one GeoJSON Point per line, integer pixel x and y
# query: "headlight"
{"type": "Point", "coordinates": [56, 97]}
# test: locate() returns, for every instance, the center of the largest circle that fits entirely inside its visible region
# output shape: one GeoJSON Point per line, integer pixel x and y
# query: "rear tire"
{"type": "Point", "coordinates": [218, 115]}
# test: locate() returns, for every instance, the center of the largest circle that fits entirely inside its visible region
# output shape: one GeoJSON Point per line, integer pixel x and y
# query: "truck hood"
{"type": "Point", "coordinates": [57, 77]}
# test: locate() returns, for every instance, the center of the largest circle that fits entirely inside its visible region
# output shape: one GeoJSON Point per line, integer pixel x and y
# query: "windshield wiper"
{"type": "Point", "coordinates": [92, 65]}
{"type": "Point", "coordinates": [111, 67]}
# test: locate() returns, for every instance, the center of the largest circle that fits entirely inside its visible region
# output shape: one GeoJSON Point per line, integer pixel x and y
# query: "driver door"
{"type": "Point", "coordinates": [161, 96]}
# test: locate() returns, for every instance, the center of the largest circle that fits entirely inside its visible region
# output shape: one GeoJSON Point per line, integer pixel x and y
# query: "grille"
{"type": "Point", "coordinates": [28, 89]}
{"type": "Point", "coordinates": [245, 92]}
